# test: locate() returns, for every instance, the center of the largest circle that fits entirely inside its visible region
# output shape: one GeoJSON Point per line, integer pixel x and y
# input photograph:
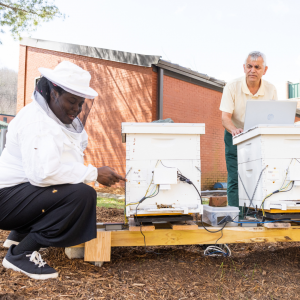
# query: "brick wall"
{"type": "Point", "coordinates": [9, 118]}
{"type": "Point", "coordinates": [127, 93]}
{"type": "Point", "coordinates": [189, 103]}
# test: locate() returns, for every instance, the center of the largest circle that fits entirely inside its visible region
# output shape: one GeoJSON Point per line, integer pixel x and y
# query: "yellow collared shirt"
{"type": "Point", "coordinates": [236, 93]}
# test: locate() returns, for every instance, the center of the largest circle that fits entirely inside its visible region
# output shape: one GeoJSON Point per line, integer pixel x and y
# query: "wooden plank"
{"type": "Point", "coordinates": [279, 211]}
{"type": "Point", "coordinates": [232, 235]}
{"type": "Point", "coordinates": [277, 225]}
{"type": "Point", "coordinates": [78, 246]}
{"type": "Point", "coordinates": [98, 249]}
{"type": "Point", "coordinates": [188, 225]}
{"type": "Point", "coordinates": [201, 236]}
{"type": "Point", "coordinates": [133, 227]}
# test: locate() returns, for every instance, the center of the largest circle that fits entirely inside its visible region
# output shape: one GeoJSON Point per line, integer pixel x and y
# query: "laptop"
{"type": "Point", "coordinates": [269, 112]}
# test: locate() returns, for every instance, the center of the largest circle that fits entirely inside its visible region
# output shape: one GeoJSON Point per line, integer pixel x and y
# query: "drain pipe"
{"type": "Point", "coordinates": [160, 89]}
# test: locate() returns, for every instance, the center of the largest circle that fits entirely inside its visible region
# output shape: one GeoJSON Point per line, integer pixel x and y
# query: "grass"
{"type": "Point", "coordinates": [205, 200]}
{"type": "Point", "coordinates": [110, 203]}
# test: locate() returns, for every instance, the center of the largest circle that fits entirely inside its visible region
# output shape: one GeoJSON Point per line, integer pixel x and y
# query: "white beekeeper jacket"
{"type": "Point", "coordinates": [42, 150]}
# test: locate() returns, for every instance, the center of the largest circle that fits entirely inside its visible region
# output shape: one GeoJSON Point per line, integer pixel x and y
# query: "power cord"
{"type": "Point", "coordinates": [209, 248]}
{"type": "Point", "coordinates": [185, 179]}
{"type": "Point", "coordinates": [217, 251]}
{"type": "Point", "coordinates": [136, 220]}
{"type": "Point", "coordinates": [251, 199]}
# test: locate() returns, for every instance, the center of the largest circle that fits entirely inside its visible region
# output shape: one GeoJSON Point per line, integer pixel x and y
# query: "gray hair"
{"type": "Point", "coordinates": [255, 55]}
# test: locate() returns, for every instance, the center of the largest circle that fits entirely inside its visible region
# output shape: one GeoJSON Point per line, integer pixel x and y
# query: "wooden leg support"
{"type": "Point", "coordinates": [98, 250]}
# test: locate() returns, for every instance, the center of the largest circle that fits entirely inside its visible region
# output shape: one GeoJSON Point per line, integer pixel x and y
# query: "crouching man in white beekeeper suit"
{"type": "Point", "coordinates": [44, 200]}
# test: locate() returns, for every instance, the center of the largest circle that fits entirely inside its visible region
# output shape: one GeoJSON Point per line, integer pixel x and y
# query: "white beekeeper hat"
{"type": "Point", "coordinates": [71, 78]}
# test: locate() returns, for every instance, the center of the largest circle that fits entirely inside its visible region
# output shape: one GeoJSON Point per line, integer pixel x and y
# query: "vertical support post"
{"type": "Point", "coordinates": [287, 90]}
{"type": "Point", "coordinates": [2, 139]}
{"type": "Point", "coordinates": [98, 249]}
{"type": "Point", "coordinates": [25, 75]}
{"type": "Point", "coordinates": [160, 94]}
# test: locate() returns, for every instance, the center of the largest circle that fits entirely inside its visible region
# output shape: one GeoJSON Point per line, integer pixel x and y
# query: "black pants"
{"type": "Point", "coordinates": [59, 216]}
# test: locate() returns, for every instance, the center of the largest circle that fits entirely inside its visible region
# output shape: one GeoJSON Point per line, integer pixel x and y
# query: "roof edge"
{"type": "Point", "coordinates": [190, 73]}
{"type": "Point", "coordinates": [105, 54]}
{"type": "Point", "coordinates": [6, 115]}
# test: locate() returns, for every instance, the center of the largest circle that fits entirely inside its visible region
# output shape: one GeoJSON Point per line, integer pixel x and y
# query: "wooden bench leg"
{"type": "Point", "coordinates": [98, 250]}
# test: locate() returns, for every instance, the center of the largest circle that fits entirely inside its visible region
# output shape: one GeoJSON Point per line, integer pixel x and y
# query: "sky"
{"type": "Point", "coordinates": [211, 37]}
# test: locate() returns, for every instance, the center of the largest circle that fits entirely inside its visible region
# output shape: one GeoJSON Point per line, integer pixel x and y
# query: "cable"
{"type": "Point", "coordinates": [135, 217]}
{"type": "Point", "coordinates": [185, 179]}
{"type": "Point", "coordinates": [282, 190]}
{"type": "Point", "coordinates": [151, 178]}
{"type": "Point", "coordinates": [217, 251]}
{"type": "Point", "coordinates": [208, 248]}
{"type": "Point", "coordinates": [210, 230]}
{"type": "Point", "coordinates": [251, 200]}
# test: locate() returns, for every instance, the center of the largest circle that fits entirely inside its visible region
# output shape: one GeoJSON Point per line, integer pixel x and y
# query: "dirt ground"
{"type": "Point", "coordinates": [255, 271]}
{"type": "Point", "coordinates": [111, 190]}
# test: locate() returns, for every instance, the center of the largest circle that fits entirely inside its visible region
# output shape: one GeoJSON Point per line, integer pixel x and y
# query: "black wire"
{"type": "Point", "coordinates": [219, 237]}
{"type": "Point", "coordinates": [215, 231]}
{"type": "Point", "coordinates": [198, 193]}
{"type": "Point", "coordinates": [289, 189]}
{"type": "Point", "coordinates": [185, 179]}
{"type": "Point", "coordinates": [136, 220]}
{"type": "Point", "coordinates": [210, 230]}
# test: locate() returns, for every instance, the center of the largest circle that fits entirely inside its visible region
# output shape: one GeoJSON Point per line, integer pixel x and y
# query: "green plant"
{"type": "Point", "coordinates": [110, 203]}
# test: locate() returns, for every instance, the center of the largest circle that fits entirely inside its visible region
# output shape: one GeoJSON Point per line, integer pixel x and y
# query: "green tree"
{"type": "Point", "coordinates": [26, 15]}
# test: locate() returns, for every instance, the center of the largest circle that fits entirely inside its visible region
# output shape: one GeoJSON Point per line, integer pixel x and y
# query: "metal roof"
{"type": "Point", "coordinates": [106, 54]}
{"type": "Point", "coordinates": [171, 69]}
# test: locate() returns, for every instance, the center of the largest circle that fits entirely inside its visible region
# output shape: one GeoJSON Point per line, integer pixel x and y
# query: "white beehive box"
{"type": "Point", "coordinates": [276, 150]}
{"type": "Point", "coordinates": [162, 148]}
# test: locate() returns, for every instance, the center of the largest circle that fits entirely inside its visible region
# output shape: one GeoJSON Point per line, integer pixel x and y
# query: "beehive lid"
{"type": "Point", "coordinates": [266, 130]}
{"type": "Point", "coordinates": [164, 128]}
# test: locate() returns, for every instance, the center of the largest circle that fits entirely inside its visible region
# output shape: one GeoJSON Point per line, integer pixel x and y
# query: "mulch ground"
{"type": "Point", "coordinates": [255, 271]}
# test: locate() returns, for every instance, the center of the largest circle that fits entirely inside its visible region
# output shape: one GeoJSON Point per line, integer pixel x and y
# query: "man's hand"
{"type": "Point", "coordinates": [236, 131]}
{"type": "Point", "coordinates": [108, 176]}
{"type": "Point", "coordinates": [228, 125]}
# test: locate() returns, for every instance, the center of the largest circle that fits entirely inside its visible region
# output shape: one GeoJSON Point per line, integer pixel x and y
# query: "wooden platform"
{"type": "Point", "coordinates": [99, 249]}
{"type": "Point", "coordinates": [185, 225]}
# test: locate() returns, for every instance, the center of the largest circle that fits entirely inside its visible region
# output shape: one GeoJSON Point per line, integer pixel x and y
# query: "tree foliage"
{"type": "Point", "coordinates": [8, 91]}
{"type": "Point", "coordinates": [26, 15]}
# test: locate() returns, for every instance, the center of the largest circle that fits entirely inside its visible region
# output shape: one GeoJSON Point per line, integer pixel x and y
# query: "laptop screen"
{"type": "Point", "coordinates": [269, 112]}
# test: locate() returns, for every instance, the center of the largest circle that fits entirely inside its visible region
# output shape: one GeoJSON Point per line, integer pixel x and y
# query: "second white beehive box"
{"type": "Point", "coordinates": [155, 152]}
{"type": "Point", "coordinates": [274, 152]}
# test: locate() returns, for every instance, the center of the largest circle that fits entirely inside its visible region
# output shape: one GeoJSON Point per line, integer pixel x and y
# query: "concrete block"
{"type": "Point", "coordinates": [74, 252]}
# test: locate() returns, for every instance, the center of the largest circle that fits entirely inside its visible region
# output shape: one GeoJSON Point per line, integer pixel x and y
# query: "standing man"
{"type": "Point", "coordinates": [236, 93]}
